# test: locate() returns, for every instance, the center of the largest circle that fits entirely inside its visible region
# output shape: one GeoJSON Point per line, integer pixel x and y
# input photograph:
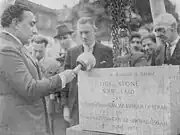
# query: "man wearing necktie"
{"type": "Point", "coordinates": [166, 30]}
{"type": "Point", "coordinates": [23, 109]}
{"type": "Point", "coordinates": [86, 30]}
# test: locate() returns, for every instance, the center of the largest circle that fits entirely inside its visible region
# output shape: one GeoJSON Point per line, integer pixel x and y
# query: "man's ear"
{"type": "Point", "coordinates": [15, 23]}
{"type": "Point", "coordinates": [174, 26]}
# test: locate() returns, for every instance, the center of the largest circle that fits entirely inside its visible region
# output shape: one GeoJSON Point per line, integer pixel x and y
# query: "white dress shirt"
{"type": "Point", "coordinates": [89, 48]}
{"type": "Point", "coordinates": [173, 45]}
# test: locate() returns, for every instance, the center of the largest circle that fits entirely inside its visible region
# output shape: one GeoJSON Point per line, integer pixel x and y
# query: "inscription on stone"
{"type": "Point", "coordinates": [134, 102]}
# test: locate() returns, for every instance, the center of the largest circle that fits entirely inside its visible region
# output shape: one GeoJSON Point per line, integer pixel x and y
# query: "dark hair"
{"type": "Point", "coordinates": [134, 35]}
{"type": "Point", "coordinates": [40, 39]}
{"type": "Point", "coordinates": [147, 27]}
{"type": "Point", "coordinates": [12, 12]}
{"type": "Point", "coordinates": [151, 37]}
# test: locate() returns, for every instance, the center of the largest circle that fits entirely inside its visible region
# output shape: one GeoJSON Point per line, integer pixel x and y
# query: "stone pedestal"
{"type": "Point", "coordinates": [130, 101]}
{"type": "Point", "coordinates": [77, 130]}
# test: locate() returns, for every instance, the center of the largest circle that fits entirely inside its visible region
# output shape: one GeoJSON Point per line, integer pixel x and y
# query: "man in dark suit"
{"type": "Point", "coordinates": [166, 30]}
{"type": "Point", "coordinates": [104, 59]}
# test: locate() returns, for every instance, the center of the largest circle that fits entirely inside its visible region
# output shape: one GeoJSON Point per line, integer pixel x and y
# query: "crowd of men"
{"type": "Point", "coordinates": [155, 46]}
{"type": "Point", "coordinates": [31, 75]}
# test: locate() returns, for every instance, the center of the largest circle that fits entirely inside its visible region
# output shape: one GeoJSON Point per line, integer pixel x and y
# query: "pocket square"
{"type": "Point", "coordinates": [103, 62]}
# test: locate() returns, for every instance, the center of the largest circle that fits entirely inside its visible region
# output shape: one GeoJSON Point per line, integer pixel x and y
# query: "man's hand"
{"type": "Point", "coordinates": [68, 75]}
{"type": "Point", "coordinates": [66, 114]}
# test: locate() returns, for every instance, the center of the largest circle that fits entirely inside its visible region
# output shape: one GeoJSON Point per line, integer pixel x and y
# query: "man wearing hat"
{"type": "Point", "coordinates": [166, 30]}
{"type": "Point", "coordinates": [64, 40]}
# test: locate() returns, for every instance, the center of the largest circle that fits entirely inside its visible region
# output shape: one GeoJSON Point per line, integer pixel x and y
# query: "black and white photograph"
{"type": "Point", "coordinates": [89, 67]}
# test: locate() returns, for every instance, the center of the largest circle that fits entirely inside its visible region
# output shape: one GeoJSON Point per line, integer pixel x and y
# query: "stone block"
{"type": "Point", "coordinates": [77, 130]}
{"type": "Point", "coordinates": [131, 101]}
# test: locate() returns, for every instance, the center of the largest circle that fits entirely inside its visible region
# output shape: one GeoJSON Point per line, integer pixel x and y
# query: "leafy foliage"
{"type": "Point", "coordinates": [100, 10]}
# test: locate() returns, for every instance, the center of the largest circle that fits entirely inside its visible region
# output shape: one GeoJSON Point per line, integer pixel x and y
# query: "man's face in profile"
{"type": "Point", "coordinates": [26, 28]}
{"type": "Point", "coordinates": [164, 33]}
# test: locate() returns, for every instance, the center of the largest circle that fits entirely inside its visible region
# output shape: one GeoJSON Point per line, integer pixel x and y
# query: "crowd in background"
{"type": "Point", "coordinates": [36, 66]}
{"type": "Point", "coordinates": [153, 45]}
{"type": "Point", "coordinates": [142, 44]}
{"type": "Point", "coordinates": [148, 46]}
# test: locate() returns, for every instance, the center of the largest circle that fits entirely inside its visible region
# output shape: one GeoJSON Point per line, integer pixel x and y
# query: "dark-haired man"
{"type": "Point", "coordinates": [22, 90]}
{"type": "Point", "coordinates": [150, 48]}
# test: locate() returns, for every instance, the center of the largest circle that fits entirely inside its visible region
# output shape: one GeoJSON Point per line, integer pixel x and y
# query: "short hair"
{"type": "Point", "coordinates": [135, 35]}
{"type": "Point", "coordinates": [12, 12]}
{"type": "Point", "coordinates": [39, 39]}
{"type": "Point", "coordinates": [146, 27]}
{"type": "Point", "coordinates": [151, 37]}
{"type": "Point", "coordinates": [85, 20]}
{"type": "Point", "coordinates": [165, 20]}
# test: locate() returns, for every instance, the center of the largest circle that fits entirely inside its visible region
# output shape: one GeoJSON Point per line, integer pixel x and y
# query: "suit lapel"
{"type": "Point", "coordinates": [80, 49]}
{"type": "Point", "coordinates": [176, 52]}
{"type": "Point", "coordinates": [25, 52]}
{"type": "Point", "coordinates": [19, 46]}
{"type": "Point", "coordinates": [74, 55]}
{"type": "Point", "coordinates": [97, 54]}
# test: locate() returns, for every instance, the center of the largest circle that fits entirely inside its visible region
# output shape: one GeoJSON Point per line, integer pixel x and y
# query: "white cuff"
{"type": "Point", "coordinates": [63, 80]}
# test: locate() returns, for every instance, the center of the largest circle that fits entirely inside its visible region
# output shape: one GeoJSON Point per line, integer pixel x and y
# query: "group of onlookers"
{"type": "Point", "coordinates": [33, 74]}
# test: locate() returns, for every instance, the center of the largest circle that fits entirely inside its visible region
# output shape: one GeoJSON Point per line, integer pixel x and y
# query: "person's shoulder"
{"type": "Point", "coordinates": [105, 47]}
{"type": "Point", "coordinates": [75, 48]}
{"type": "Point", "coordinates": [49, 60]}
{"type": "Point", "coordinates": [138, 57]}
{"type": "Point", "coordinates": [8, 48]}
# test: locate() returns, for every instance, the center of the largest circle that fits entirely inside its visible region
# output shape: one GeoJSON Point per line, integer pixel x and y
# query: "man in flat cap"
{"type": "Point", "coordinates": [166, 30]}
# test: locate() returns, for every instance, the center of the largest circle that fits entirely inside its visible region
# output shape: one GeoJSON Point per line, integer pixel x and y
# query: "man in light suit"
{"type": "Point", "coordinates": [22, 105]}
{"type": "Point", "coordinates": [104, 59]}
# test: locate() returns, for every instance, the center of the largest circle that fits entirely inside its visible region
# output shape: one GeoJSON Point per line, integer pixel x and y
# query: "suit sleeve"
{"type": "Point", "coordinates": [70, 92]}
{"type": "Point", "coordinates": [65, 91]}
{"type": "Point", "coordinates": [18, 77]}
{"type": "Point", "coordinates": [67, 62]}
{"type": "Point", "coordinates": [159, 56]}
{"type": "Point", "coordinates": [109, 58]}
